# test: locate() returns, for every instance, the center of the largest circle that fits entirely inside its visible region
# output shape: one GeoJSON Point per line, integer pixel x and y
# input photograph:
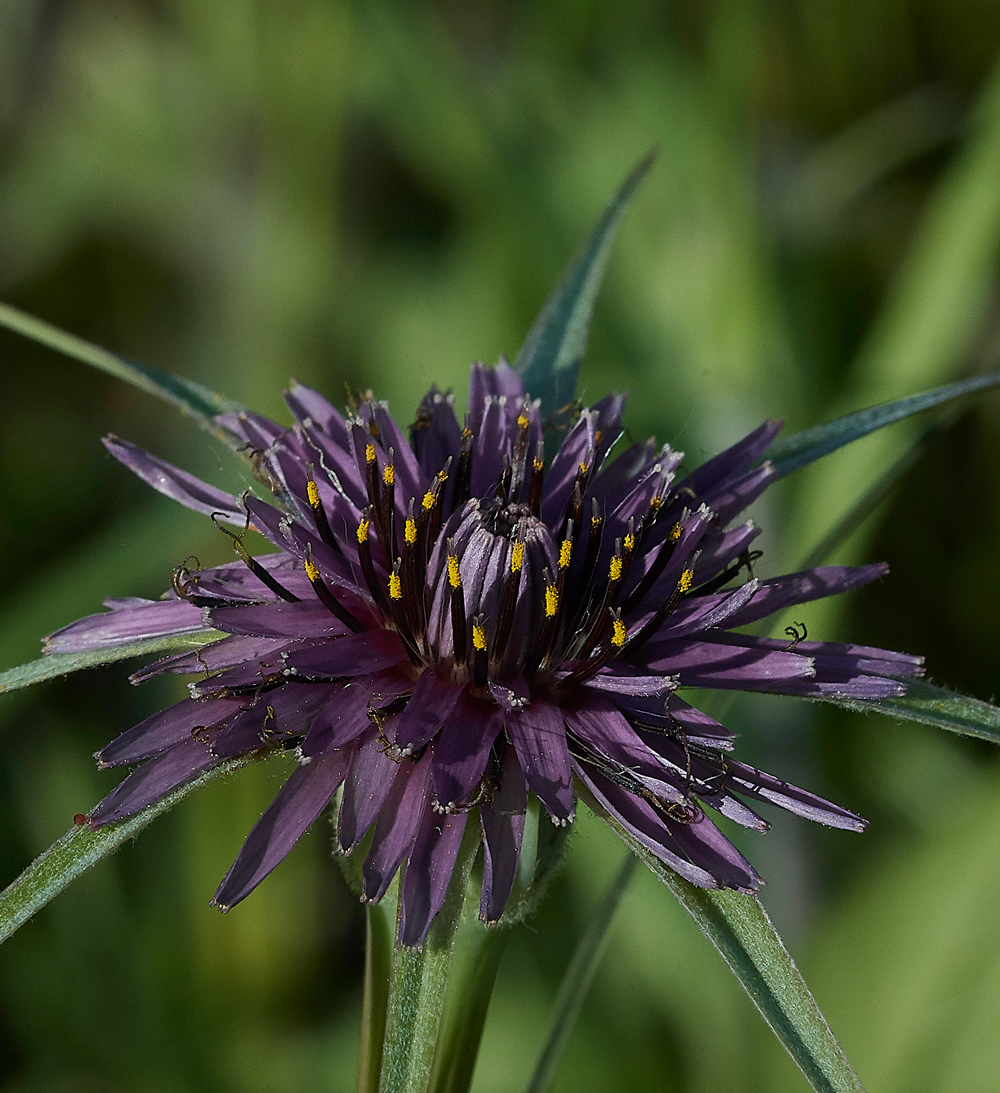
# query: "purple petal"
{"type": "Point", "coordinates": [765, 787]}
{"type": "Point", "coordinates": [433, 700]}
{"type": "Point", "coordinates": [155, 778]}
{"type": "Point", "coordinates": [278, 714]}
{"type": "Point", "coordinates": [624, 682]}
{"type": "Point", "coordinates": [436, 434]}
{"type": "Point", "coordinates": [351, 655]}
{"type": "Point", "coordinates": [397, 825]}
{"type": "Point", "coordinates": [165, 729]}
{"type": "Point", "coordinates": [702, 612]}
{"type": "Point", "coordinates": [491, 446]}
{"type": "Point", "coordinates": [730, 500]}
{"type": "Point", "coordinates": [701, 663]}
{"type": "Point", "coordinates": [308, 405]}
{"type": "Point", "coordinates": [809, 584]}
{"type": "Point", "coordinates": [216, 656]}
{"type": "Point", "coordinates": [172, 482]}
{"type": "Point", "coordinates": [463, 749]}
{"type": "Point", "coordinates": [368, 784]}
{"type": "Point", "coordinates": [735, 460]}
{"type": "Point", "coordinates": [502, 819]}
{"type": "Point", "coordinates": [428, 873]}
{"type": "Point", "coordinates": [127, 621]}
{"type": "Point", "coordinates": [299, 801]}
{"type": "Point", "coordinates": [339, 721]}
{"type": "Point", "coordinates": [305, 619]}
{"type": "Point", "coordinates": [836, 655]}
{"type": "Point", "coordinates": [539, 738]}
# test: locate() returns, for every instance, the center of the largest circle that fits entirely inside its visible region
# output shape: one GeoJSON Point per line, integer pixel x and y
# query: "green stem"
{"type": "Point", "coordinates": [379, 930]}
{"type": "Point", "coordinates": [417, 988]}
{"type": "Point", "coordinates": [476, 961]}
{"type": "Point", "coordinates": [579, 975]}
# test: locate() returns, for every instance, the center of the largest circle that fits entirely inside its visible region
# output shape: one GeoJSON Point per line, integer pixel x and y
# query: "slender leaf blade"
{"type": "Point", "coordinates": [80, 848]}
{"type": "Point", "coordinates": [578, 978]}
{"type": "Point", "coordinates": [62, 664]}
{"type": "Point", "coordinates": [739, 928]}
{"type": "Point", "coordinates": [549, 360]}
{"type": "Point", "coordinates": [191, 398]}
{"type": "Point", "coordinates": [800, 449]}
{"type": "Point", "coordinates": [933, 705]}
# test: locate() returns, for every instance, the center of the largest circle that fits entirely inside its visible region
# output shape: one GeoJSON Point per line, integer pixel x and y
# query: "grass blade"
{"type": "Point", "coordinates": [806, 447]}
{"type": "Point", "coordinates": [187, 396]}
{"type": "Point", "coordinates": [80, 848]}
{"type": "Point", "coordinates": [579, 975]}
{"type": "Point", "coordinates": [549, 360]}
{"type": "Point", "coordinates": [738, 927]}
{"type": "Point", "coordinates": [933, 705]}
{"type": "Point", "coordinates": [61, 664]}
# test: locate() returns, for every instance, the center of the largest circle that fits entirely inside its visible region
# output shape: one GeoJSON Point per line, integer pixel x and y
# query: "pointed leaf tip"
{"type": "Point", "coordinates": [549, 360]}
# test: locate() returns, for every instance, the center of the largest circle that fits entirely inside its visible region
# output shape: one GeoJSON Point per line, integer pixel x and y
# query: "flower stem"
{"type": "Point", "coordinates": [476, 961]}
{"type": "Point", "coordinates": [417, 986]}
{"type": "Point", "coordinates": [379, 930]}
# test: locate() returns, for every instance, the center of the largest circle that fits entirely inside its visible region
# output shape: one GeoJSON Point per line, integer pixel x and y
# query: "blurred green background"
{"type": "Point", "coordinates": [379, 193]}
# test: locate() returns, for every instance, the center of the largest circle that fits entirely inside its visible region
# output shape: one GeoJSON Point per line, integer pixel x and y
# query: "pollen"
{"type": "Point", "coordinates": [523, 421]}
{"type": "Point", "coordinates": [363, 530]}
{"type": "Point", "coordinates": [311, 571]}
{"type": "Point", "coordinates": [551, 600]}
{"type": "Point", "coordinates": [478, 638]}
{"type": "Point", "coordinates": [312, 492]}
{"type": "Point", "coordinates": [517, 558]}
{"type": "Point", "coordinates": [629, 543]}
{"type": "Point", "coordinates": [675, 532]}
{"type": "Point", "coordinates": [615, 569]}
{"type": "Point", "coordinates": [395, 587]}
{"type": "Point", "coordinates": [565, 553]}
{"type": "Point", "coordinates": [369, 453]}
{"type": "Point", "coordinates": [687, 577]}
{"type": "Point", "coordinates": [537, 464]}
{"type": "Point", "coordinates": [389, 474]}
{"type": "Point", "coordinates": [428, 501]}
{"type": "Point", "coordinates": [583, 468]}
{"type": "Point", "coordinates": [618, 637]}
{"type": "Point", "coordinates": [410, 531]}
{"type": "Point", "coordinates": [454, 573]}
{"type": "Point", "coordinates": [654, 503]}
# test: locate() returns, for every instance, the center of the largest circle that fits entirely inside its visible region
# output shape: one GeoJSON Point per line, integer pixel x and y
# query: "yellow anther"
{"type": "Point", "coordinates": [389, 474]}
{"type": "Point", "coordinates": [675, 532]}
{"type": "Point", "coordinates": [523, 421]}
{"type": "Point", "coordinates": [395, 587]}
{"type": "Point", "coordinates": [629, 543]}
{"type": "Point", "coordinates": [654, 502]}
{"type": "Point", "coordinates": [311, 571]}
{"type": "Point", "coordinates": [410, 531]}
{"type": "Point", "coordinates": [583, 468]}
{"type": "Point", "coordinates": [454, 573]}
{"type": "Point", "coordinates": [565, 553]}
{"type": "Point", "coordinates": [615, 569]}
{"type": "Point", "coordinates": [538, 464]}
{"type": "Point", "coordinates": [428, 502]}
{"type": "Point", "coordinates": [312, 492]}
{"type": "Point", "coordinates": [686, 579]}
{"type": "Point", "coordinates": [595, 521]}
{"type": "Point", "coordinates": [478, 638]}
{"type": "Point", "coordinates": [618, 637]}
{"type": "Point", "coordinates": [442, 477]}
{"type": "Point", "coordinates": [363, 530]}
{"type": "Point", "coordinates": [551, 600]}
{"type": "Point", "coordinates": [517, 558]}
{"type": "Point", "coordinates": [369, 453]}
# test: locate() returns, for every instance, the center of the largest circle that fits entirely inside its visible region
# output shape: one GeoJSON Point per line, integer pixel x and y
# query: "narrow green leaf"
{"type": "Point", "coordinates": [189, 397]}
{"type": "Point", "coordinates": [800, 449]}
{"type": "Point", "coordinates": [549, 360]}
{"type": "Point", "coordinates": [738, 926]}
{"type": "Point", "coordinates": [80, 848]}
{"type": "Point", "coordinates": [417, 987]}
{"type": "Point", "coordinates": [579, 975]}
{"type": "Point", "coordinates": [380, 927]}
{"type": "Point", "coordinates": [61, 664]}
{"type": "Point", "coordinates": [932, 705]}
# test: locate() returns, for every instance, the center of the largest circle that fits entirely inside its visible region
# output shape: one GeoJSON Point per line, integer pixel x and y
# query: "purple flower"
{"type": "Point", "coordinates": [450, 624]}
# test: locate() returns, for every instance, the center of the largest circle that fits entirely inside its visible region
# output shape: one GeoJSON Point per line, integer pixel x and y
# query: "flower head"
{"type": "Point", "coordinates": [451, 623]}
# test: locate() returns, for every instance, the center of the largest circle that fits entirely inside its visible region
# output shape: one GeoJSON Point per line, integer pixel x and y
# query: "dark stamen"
{"type": "Point", "coordinates": [327, 598]}
{"type": "Point", "coordinates": [368, 566]}
{"type": "Point", "coordinates": [480, 658]}
{"type": "Point", "coordinates": [535, 482]}
{"type": "Point", "coordinates": [319, 514]}
{"type": "Point", "coordinates": [511, 589]}
{"type": "Point", "coordinates": [652, 575]}
{"type": "Point", "coordinates": [463, 476]}
{"type": "Point", "coordinates": [460, 639]}
{"type": "Point", "coordinates": [252, 564]}
{"type": "Point", "coordinates": [683, 585]}
{"type": "Point", "coordinates": [610, 649]}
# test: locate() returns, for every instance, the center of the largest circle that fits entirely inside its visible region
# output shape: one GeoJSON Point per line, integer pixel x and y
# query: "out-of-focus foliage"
{"type": "Point", "coordinates": [377, 194]}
